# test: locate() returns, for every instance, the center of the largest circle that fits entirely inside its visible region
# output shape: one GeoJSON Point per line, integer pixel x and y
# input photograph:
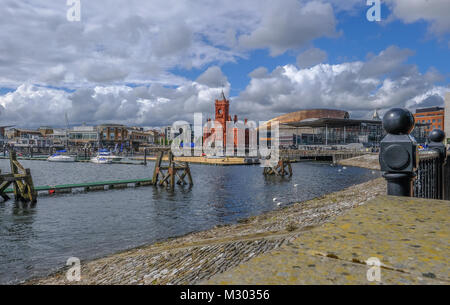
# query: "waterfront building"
{"type": "Point", "coordinates": [169, 135]}
{"type": "Point", "coordinates": [3, 138]}
{"type": "Point", "coordinates": [337, 131]}
{"type": "Point", "coordinates": [334, 127]}
{"type": "Point", "coordinates": [138, 137]}
{"type": "Point", "coordinates": [45, 130]}
{"type": "Point", "coordinates": [222, 116]}
{"type": "Point", "coordinates": [59, 137]}
{"type": "Point", "coordinates": [447, 117]}
{"type": "Point", "coordinates": [22, 138]}
{"type": "Point", "coordinates": [19, 133]}
{"type": "Point", "coordinates": [112, 135]}
{"type": "Point", "coordinates": [432, 116]}
{"type": "Point", "coordinates": [83, 136]}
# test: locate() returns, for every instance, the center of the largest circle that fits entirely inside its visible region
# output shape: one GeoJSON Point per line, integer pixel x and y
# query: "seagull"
{"type": "Point", "coordinates": [339, 170]}
{"type": "Point", "coordinates": [274, 199]}
{"type": "Point", "coordinates": [344, 167]}
{"type": "Point", "coordinates": [295, 185]}
{"type": "Point", "coordinates": [279, 203]}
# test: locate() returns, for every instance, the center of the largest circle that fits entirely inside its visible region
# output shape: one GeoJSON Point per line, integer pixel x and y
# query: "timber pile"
{"type": "Point", "coordinates": [283, 168]}
{"type": "Point", "coordinates": [168, 173]}
{"type": "Point", "coordinates": [21, 180]}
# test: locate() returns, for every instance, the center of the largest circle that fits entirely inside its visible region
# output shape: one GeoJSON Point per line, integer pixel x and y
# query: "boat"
{"type": "Point", "coordinates": [99, 159]}
{"type": "Point", "coordinates": [109, 155]}
{"type": "Point", "coordinates": [104, 157]}
{"type": "Point", "coordinates": [60, 157]}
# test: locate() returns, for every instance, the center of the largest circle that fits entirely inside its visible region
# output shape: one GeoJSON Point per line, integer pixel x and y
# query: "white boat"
{"type": "Point", "coordinates": [103, 157]}
{"type": "Point", "coordinates": [113, 157]}
{"type": "Point", "coordinates": [59, 157]}
{"type": "Point", "coordinates": [100, 160]}
{"type": "Point", "coordinates": [108, 155]}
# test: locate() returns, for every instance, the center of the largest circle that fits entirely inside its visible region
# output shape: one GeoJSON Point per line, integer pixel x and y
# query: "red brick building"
{"type": "Point", "coordinates": [434, 116]}
{"type": "Point", "coordinates": [222, 115]}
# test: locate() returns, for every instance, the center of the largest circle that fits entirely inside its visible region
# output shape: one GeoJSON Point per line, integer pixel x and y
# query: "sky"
{"type": "Point", "coordinates": [153, 62]}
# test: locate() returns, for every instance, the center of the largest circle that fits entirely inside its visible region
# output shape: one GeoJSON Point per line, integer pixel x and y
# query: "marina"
{"type": "Point", "coordinates": [39, 239]}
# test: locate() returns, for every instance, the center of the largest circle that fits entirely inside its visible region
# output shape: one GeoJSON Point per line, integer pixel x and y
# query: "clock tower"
{"type": "Point", "coordinates": [223, 114]}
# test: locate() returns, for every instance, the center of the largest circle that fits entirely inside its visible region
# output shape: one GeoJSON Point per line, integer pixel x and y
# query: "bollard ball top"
{"type": "Point", "coordinates": [398, 121]}
{"type": "Point", "coordinates": [436, 135]}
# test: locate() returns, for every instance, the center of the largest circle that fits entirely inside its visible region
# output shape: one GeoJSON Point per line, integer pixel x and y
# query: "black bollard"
{"type": "Point", "coordinates": [145, 156]}
{"type": "Point", "coordinates": [398, 152]}
{"type": "Point", "coordinates": [436, 139]}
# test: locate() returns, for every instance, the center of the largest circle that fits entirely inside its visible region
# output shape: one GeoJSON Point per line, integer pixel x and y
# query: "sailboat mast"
{"type": "Point", "coordinates": [67, 127]}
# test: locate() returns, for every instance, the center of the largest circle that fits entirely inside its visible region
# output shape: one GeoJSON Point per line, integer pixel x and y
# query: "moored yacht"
{"type": "Point", "coordinates": [59, 156]}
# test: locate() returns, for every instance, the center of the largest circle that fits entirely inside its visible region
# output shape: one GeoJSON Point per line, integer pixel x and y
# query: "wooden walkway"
{"type": "Point", "coordinates": [89, 186]}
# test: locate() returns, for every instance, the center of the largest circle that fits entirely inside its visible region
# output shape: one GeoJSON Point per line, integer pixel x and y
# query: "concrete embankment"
{"type": "Point", "coordinates": [407, 237]}
{"type": "Point", "coordinates": [369, 161]}
{"type": "Point", "coordinates": [199, 256]}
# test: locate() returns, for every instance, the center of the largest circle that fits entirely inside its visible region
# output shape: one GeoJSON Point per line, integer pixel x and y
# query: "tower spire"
{"type": "Point", "coordinates": [223, 96]}
{"type": "Point", "coordinates": [375, 115]}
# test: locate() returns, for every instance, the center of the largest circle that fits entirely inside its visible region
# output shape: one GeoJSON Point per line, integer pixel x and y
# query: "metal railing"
{"type": "Point", "coordinates": [446, 179]}
{"type": "Point", "coordinates": [428, 176]}
{"type": "Point", "coordinates": [408, 173]}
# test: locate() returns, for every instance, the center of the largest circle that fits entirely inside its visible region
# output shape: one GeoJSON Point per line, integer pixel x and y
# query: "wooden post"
{"type": "Point", "coordinates": [283, 168]}
{"type": "Point", "coordinates": [188, 172]}
{"type": "Point", "coordinates": [12, 158]}
{"type": "Point", "coordinates": [21, 180]}
{"type": "Point", "coordinates": [32, 194]}
{"type": "Point", "coordinates": [171, 171]}
{"type": "Point", "coordinates": [145, 156]}
{"type": "Point", "coordinates": [157, 166]}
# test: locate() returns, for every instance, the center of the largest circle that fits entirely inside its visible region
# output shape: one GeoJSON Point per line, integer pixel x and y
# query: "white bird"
{"type": "Point", "coordinates": [339, 170]}
{"type": "Point", "coordinates": [274, 199]}
{"type": "Point", "coordinates": [344, 167]}
{"type": "Point", "coordinates": [279, 203]}
{"type": "Point", "coordinates": [295, 185]}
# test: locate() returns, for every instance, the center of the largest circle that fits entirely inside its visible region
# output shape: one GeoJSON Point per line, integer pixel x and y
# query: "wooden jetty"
{"type": "Point", "coordinates": [168, 172]}
{"type": "Point", "coordinates": [88, 186]}
{"type": "Point", "coordinates": [20, 178]}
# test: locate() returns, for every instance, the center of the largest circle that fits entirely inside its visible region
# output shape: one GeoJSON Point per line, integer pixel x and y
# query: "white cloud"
{"type": "Point", "coordinates": [383, 81]}
{"type": "Point", "coordinates": [291, 24]}
{"type": "Point", "coordinates": [142, 41]}
{"type": "Point", "coordinates": [358, 86]}
{"type": "Point", "coordinates": [212, 77]}
{"type": "Point", "coordinates": [32, 106]}
{"type": "Point", "coordinates": [433, 11]}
